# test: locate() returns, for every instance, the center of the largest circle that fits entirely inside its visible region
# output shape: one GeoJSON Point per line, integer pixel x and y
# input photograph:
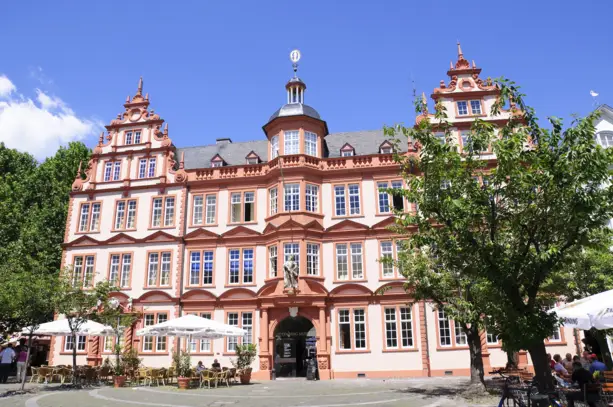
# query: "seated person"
{"type": "Point", "coordinates": [596, 364]}
{"type": "Point", "coordinates": [200, 367]}
{"type": "Point", "coordinates": [558, 367]}
{"type": "Point", "coordinates": [216, 365]}
{"type": "Point", "coordinates": [567, 362]}
{"type": "Point", "coordinates": [583, 378]}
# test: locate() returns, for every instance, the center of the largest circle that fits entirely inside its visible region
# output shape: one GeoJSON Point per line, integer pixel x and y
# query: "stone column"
{"type": "Point", "coordinates": [265, 364]}
{"type": "Point", "coordinates": [323, 339]}
{"type": "Point", "coordinates": [264, 329]}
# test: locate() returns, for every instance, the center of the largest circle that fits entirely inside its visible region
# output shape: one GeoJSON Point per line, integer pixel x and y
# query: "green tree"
{"type": "Point", "coordinates": [78, 306]}
{"type": "Point", "coordinates": [27, 298]}
{"type": "Point", "coordinates": [114, 316]}
{"type": "Point", "coordinates": [516, 224]}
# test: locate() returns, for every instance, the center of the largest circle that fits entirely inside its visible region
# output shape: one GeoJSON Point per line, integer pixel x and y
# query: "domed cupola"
{"type": "Point", "coordinates": [295, 128]}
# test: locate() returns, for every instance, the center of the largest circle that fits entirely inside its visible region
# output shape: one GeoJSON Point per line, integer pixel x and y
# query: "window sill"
{"type": "Point", "coordinates": [202, 353]}
{"type": "Point", "coordinates": [94, 232]}
{"type": "Point", "coordinates": [111, 182]}
{"type": "Point", "coordinates": [446, 348]}
{"type": "Point", "coordinates": [400, 350]}
{"type": "Point", "coordinates": [347, 216]}
{"type": "Point", "coordinates": [555, 343]}
{"type": "Point", "coordinates": [123, 230]}
{"type": "Point", "coordinates": [350, 352]}
{"type": "Point", "coordinates": [203, 225]}
{"type": "Point", "coordinates": [190, 287]}
{"type": "Point", "coordinates": [349, 281]}
{"type": "Point", "coordinates": [391, 279]}
{"type": "Point", "coordinates": [292, 213]}
{"type": "Point", "coordinates": [161, 227]}
{"type": "Point", "coordinates": [124, 288]}
{"type": "Point", "coordinates": [240, 285]}
{"type": "Point", "coordinates": [228, 354]}
{"type": "Point", "coordinates": [141, 353]}
{"type": "Point", "coordinates": [251, 222]}
{"type": "Point", "coordinates": [161, 287]}
{"type": "Point", "coordinates": [494, 346]}
{"type": "Point", "coordinates": [313, 277]}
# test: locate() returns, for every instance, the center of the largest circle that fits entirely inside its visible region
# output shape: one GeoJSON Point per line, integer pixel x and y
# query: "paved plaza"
{"type": "Point", "coordinates": [432, 392]}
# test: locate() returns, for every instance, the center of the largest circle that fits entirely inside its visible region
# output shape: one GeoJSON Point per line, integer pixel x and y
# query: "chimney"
{"type": "Point", "coordinates": [223, 141]}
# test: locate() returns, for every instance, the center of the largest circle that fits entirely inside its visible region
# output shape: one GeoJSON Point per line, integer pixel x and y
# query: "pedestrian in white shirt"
{"type": "Point", "coordinates": [7, 356]}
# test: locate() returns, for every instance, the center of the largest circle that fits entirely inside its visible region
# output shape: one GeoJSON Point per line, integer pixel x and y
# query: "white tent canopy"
{"type": "Point", "coordinates": [191, 326]}
{"type": "Point", "coordinates": [60, 327]}
{"type": "Point", "coordinates": [595, 311]}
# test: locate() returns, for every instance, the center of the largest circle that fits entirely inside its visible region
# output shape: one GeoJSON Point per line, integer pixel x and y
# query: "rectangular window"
{"type": "Point", "coordinates": [241, 266]}
{"type": "Point", "coordinates": [160, 345]}
{"type": "Point", "coordinates": [387, 253]}
{"type": "Point", "coordinates": [475, 106]}
{"type": "Point", "coordinates": [344, 328]}
{"type": "Point", "coordinates": [148, 320]}
{"type": "Point", "coordinates": [397, 199]}
{"type": "Point", "coordinates": [247, 326]}
{"type": "Point", "coordinates": [198, 210]}
{"type": "Point", "coordinates": [462, 108]}
{"type": "Point", "coordinates": [232, 340]}
{"type": "Point", "coordinates": [211, 209]}
{"type": "Point", "coordinates": [274, 147]}
{"type": "Point", "coordinates": [83, 271]}
{"type": "Point", "coordinates": [81, 343]}
{"type": "Point", "coordinates": [89, 219]}
{"type": "Point", "coordinates": [465, 136]}
{"type": "Point", "coordinates": [492, 339]}
{"type": "Point", "coordinates": [238, 211]}
{"type": "Point", "coordinates": [312, 197]}
{"type": "Point", "coordinates": [151, 169]}
{"type": "Point", "coordinates": [292, 197]}
{"type": "Point", "coordinates": [354, 199]}
{"type": "Point", "coordinates": [346, 153]}
{"type": "Point", "coordinates": [234, 266]}
{"type": "Point", "coordinates": [142, 168]}
{"type": "Point", "coordinates": [310, 143]}
{"type": "Point", "coordinates": [272, 260]}
{"type": "Point", "coordinates": [357, 272]}
{"type": "Point", "coordinates": [131, 218]}
{"type": "Point", "coordinates": [158, 273]}
{"type": "Point", "coordinates": [194, 268]}
{"type": "Point", "coordinates": [406, 327]}
{"type": "Point", "coordinates": [342, 264]}
{"type": "Point", "coordinates": [119, 269]}
{"type": "Point", "coordinates": [556, 337]}
{"type": "Point", "coordinates": [444, 330]}
{"type": "Point", "coordinates": [339, 200]}
{"type": "Point", "coordinates": [137, 137]}
{"type": "Point", "coordinates": [116, 170]}
{"type": "Point", "coordinates": [460, 335]}
{"type": "Point", "coordinates": [125, 214]}
{"type": "Point", "coordinates": [384, 199]}
{"type": "Point", "coordinates": [205, 344]}
{"type": "Point", "coordinates": [108, 171]}
{"type": "Point", "coordinates": [391, 328]}
{"type": "Point", "coordinates": [109, 343]}
{"type": "Point", "coordinates": [312, 259]}
{"type": "Point", "coordinates": [166, 206]}
{"type": "Point", "coordinates": [359, 326]}
{"type": "Point", "coordinates": [247, 266]}
{"type": "Point", "coordinates": [129, 137]}
{"type": "Point", "coordinates": [441, 137]}
{"type": "Point", "coordinates": [207, 268]}
{"type": "Point", "coordinates": [292, 142]}
{"type": "Point", "coordinates": [291, 251]}
{"type": "Point", "coordinates": [249, 206]}
{"type": "Point", "coordinates": [273, 194]}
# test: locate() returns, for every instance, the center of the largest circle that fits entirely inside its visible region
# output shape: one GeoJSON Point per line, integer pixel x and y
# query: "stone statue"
{"type": "Point", "coordinates": [290, 277]}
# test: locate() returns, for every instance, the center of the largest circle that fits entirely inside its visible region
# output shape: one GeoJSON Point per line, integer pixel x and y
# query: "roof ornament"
{"type": "Point", "coordinates": [294, 56]}
{"type": "Point", "coordinates": [139, 91]}
{"type": "Point", "coordinates": [460, 54]}
{"type": "Point", "coordinates": [424, 103]}
{"type": "Point", "coordinates": [182, 162]}
{"type": "Point", "coordinates": [79, 170]}
{"type": "Point", "coordinates": [166, 130]}
{"type": "Point", "coordinates": [101, 139]}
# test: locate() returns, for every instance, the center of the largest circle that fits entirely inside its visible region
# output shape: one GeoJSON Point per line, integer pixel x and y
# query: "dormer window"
{"type": "Point", "coordinates": [462, 108]}
{"type": "Point", "coordinates": [274, 147]}
{"type": "Point", "coordinates": [385, 148]}
{"type": "Point", "coordinates": [252, 158]}
{"type": "Point", "coordinates": [605, 139]}
{"type": "Point", "coordinates": [132, 137]}
{"type": "Point", "coordinates": [347, 150]}
{"type": "Point", "coordinates": [310, 143]}
{"type": "Point", "coordinates": [217, 161]}
{"type": "Point", "coordinates": [475, 106]}
{"type": "Point", "coordinates": [291, 143]}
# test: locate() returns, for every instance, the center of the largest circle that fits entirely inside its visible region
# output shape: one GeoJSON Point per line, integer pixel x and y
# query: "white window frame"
{"type": "Point", "coordinates": [198, 210]}
{"type": "Point", "coordinates": [240, 200]}
{"type": "Point", "coordinates": [477, 111]}
{"type": "Point", "coordinates": [211, 209]}
{"type": "Point", "coordinates": [274, 147]}
{"type": "Point", "coordinates": [444, 330]}
{"type": "Point", "coordinates": [273, 260]}
{"type": "Point", "coordinates": [81, 343]}
{"type": "Point", "coordinates": [273, 197]}
{"type": "Point", "coordinates": [311, 198]}
{"type": "Point", "coordinates": [291, 197]}
{"type": "Point", "coordinates": [462, 106]}
{"type": "Point", "coordinates": [310, 143]}
{"type": "Point", "coordinates": [291, 142]}
{"type": "Point", "coordinates": [312, 252]}
{"type": "Point", "coordinates": [291, 249]}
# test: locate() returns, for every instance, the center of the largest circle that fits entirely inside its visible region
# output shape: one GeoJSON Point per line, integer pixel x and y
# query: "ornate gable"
{"type": "Point", "coordinates": [347, 226]}
{"type": "Point", "coordinates": [159, 237]}
{"type": "Point", "coordinates": [82, 242]}
{"type": "Point", "coordinates": [121, 238]}
{"type": "Point", "coordinates": [200, 234]}
{"type": "Point", "coordinates": [240, 231]}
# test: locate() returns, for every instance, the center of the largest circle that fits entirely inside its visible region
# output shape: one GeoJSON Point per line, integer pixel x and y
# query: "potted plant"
{"type": "Point", "coordinates": [119, 371]}
{"type": "Point", "coordinates": [245, 355]}
{"type": "Point", "coordinates": [183, 367]}
{"type": "Point", "coordinates": [131, 362]}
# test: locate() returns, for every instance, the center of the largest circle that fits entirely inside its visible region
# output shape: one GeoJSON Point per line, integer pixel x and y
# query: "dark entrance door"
{"type": "Point", "coordinates": [294, 346]}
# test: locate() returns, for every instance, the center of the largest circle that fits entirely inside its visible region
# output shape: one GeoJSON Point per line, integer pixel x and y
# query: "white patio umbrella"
{"type": "Point", "coordinates": [191, 326]}
{"type": "Point", "coordinates": [60, 327]}
{"type": "Point", "coordinates": [595, 311]}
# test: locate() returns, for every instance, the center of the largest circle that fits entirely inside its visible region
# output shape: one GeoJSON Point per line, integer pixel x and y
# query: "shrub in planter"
{"type": "Point", "coordinates": [245, 355]}
{"type": "Point", "coordinates": [183, 366]}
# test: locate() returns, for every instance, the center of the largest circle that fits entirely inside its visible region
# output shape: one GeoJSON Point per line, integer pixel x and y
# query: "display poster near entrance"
{"type": "Point", "coordinates": [287, 349]}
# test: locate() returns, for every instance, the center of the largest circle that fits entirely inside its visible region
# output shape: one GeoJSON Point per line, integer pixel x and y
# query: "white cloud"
{"type": "Point", "coordinates": [6, 86]}
{"type": "Point", "coordinates": [39, 126]}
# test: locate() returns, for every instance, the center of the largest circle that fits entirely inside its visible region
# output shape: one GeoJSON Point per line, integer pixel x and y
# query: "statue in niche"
{"type": "Point", "coordinates": [290, 277]}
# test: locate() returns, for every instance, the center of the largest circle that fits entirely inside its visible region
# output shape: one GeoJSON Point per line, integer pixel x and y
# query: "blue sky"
{"type": "Point", "coordinates": [218, 69]}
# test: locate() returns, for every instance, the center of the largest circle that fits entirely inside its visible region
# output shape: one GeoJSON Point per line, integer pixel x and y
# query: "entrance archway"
{"type": "Point", "coordinates": [295, 344]}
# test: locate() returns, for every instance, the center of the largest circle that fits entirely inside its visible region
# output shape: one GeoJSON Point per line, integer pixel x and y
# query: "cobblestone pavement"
{"type": "Point", "coordinates": [432, 392]}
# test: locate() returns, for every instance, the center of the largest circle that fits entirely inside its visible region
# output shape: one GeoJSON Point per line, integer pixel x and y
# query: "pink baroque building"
{"type": "Point", "coordinates": [209, 230]}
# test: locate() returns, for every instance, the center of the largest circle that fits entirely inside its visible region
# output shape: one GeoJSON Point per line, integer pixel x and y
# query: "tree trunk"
{"type": "Point", "coordinates": [74, 359]}
{"type": "Point", "coordinates": [476, 356]}
{"type": "Point", "coordinates": [542, 370]}
{"type": "Point", "coordinates": [23, 380]}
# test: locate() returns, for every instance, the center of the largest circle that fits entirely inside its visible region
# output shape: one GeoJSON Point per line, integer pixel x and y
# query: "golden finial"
{"type": "Point", "coordinates": [139, 91]}
{"type": "Point", "coordinates": [460, 55]}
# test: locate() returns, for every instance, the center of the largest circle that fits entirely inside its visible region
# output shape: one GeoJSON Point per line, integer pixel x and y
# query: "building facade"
{"type": "Point", "coordinates": [210, 230]}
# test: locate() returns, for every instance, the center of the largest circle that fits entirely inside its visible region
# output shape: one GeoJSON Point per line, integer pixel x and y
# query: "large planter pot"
{"type": "Point", "coordinates": [183, 382]}
{"type": "Point", "coordinates": [246, 376]}
{"type": "Point", "coordinates": [119, 381]}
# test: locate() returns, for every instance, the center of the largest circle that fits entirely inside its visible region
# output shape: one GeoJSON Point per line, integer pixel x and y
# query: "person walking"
{"type": "Point", "coordinates": [22, 363]}
{"type": "Point", "coordinates": [7, 356]}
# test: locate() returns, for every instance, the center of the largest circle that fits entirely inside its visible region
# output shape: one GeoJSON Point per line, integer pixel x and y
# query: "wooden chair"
{"type": "Point", "coordinates": [141, 374]}
{"type": "Point", "coordinates": [170, 374]}
{"type": "Point", "coordinates": [206, 376]}
{"type": "Point", "coordinates": [34, 374]}
{"type": "Point", "coordinates": [223, 377]}
{"type": "Point", "coordinates": [65, 373]}
{"type": "Point", "coordinates": [233, 375]}
{"type": "Point", "coordinates": [607, 376]}
{"type": "Point", "coordinates": [161, 376]}
{"type": "Point", "coordinates": [606, 393]}
{"type": "Point", "coordinates": [45, 373]}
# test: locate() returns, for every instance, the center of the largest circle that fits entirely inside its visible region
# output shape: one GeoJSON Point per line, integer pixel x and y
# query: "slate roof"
{"type": "Point", "coordinates": [364, 142]}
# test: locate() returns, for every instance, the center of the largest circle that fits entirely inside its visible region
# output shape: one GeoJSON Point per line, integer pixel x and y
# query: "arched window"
{"type": "Point", "coordinates": [274, 147]}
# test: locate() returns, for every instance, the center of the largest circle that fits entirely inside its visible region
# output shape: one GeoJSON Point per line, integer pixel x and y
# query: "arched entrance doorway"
{"type": "Point", "coordinates": [295, 344]}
